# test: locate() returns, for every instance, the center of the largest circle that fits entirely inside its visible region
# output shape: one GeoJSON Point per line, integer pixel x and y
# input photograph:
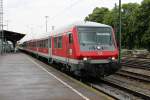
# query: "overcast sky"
{"type": "Point", "coordinates": [28, 16]}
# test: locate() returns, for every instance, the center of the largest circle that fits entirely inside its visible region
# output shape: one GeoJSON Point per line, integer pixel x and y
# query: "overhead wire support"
{"type": "Point", "coordinates": [46, 22]}
{"type": "Point", "coordinates": [119, 31]}
{"type": "Point", "coordinates": [1, 28]}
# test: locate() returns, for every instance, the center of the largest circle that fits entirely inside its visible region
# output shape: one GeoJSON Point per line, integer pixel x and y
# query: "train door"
{"type": "Point", "coordinates": [50, 60]}
{"type": "Point", "coordinates": [37, 46]}
{"type": "Point", "coordinates": [69, 41]}
{"type": "Point", "coordinates": [49, 47]}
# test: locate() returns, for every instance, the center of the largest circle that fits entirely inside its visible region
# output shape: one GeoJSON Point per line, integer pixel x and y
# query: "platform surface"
{"type": "Point", "coordinates": [22, 79]}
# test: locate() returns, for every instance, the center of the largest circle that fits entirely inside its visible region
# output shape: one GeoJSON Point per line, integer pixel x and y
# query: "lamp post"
{"type": "Point", "coordinates": [119, 31]}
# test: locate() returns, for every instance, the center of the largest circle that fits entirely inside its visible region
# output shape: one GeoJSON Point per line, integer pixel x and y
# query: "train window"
{"type": "Point", "coordinates": [31, 44]}
{"type": "Point", "coordinates": [55, 42]}
{"type": "Point", "coordinates": [37, 44]}
{"type": "Point", "coordinates": [60, 42]}
{"type": "Point", "coordinates": [46, 43]}
{"type": "Point", "coordinates": [50, 42]}
{"type": "Point", "coordinates": [40, 43]}
{"type": "Point", "coordinates": [34, 44]}
{"type": "Point", "coordinates": [43, 43]}
{"type": "Point", "coordinates": [70, 38]}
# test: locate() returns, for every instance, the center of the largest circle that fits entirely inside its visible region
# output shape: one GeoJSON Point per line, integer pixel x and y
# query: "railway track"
{"type": "Point", "coordinates": [137, 76]}
{"type": "Point", "coordinates": [112, 91]}
{"type": "Point", "coordinates": [125, 85]}
{"type": "Point", "coordinates": [136, 63]}
{"type": "Point", "coordinates": [136, 88]}
{"type": "Point", "coordinates": [138, 57]}
{"type": "Point", "coordinates": [122, 86]}
{"type": "Point", "coordinates": [117, 88]}
{"type": "Point", "coordinates": [132, 82]}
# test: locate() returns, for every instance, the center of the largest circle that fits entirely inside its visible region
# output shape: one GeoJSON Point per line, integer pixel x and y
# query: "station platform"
{"type": "Point", "coordinates": [25, 78]}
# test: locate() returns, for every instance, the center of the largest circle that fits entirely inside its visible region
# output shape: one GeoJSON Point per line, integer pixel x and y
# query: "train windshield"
{"type": "Point", "coordinates": [95, 38]}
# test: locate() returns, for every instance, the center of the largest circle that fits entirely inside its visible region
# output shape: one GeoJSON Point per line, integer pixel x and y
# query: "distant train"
{"type": "Point", "coordinates": [84, 48]}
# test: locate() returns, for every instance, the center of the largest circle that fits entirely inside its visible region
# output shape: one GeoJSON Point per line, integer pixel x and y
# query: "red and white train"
{"type": "Point", "coordinates": [83, 48]}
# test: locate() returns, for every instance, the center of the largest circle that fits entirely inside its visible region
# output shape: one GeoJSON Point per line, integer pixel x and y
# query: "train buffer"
{"type": "Point", "coordinates": [25, 78]}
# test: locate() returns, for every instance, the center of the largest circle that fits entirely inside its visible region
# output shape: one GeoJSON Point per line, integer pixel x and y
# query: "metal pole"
{"type": "Point", "coordinates": [46, 17]}
{"type": "Point", "coordinates": [119, 31]}
{"type": "Point", "coordinates": [7, 24]}
{"type": "Point", "coordinates": [1, 26]}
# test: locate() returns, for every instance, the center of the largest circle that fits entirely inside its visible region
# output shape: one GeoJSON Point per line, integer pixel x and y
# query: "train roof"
{"type": "Point", "coordinates": [59, 31]}
{"type": "Point", "coordinates": [90, 24]}
{"type": "Point", "coordinates": [78, 24]}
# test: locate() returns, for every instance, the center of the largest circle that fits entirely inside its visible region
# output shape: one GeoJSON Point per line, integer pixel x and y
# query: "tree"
{"type": "Point", "coordinates": [135, 23]}
{"type": "Point", "coordinates": [97, 15]}
{"type": "Point", "coordinates": [143, 20]}
{"type": "Point", "coordinates": [129, 15]}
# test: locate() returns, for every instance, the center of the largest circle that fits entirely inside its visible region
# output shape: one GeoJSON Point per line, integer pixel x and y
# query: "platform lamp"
{"type": "Point", "coordinates": [119, 31]}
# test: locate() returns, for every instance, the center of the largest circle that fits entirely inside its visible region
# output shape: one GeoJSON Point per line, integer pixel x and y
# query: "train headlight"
{"type": "Point", "coordinates": [113, 58]}
{"type": "Point", "coordinates": [85, 59]}
{"type": "Point", "coordinates": [98, 47]}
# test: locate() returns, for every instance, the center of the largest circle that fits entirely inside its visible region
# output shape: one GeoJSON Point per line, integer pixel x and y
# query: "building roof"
{"type": "Point", "coordinates": [12, 36]}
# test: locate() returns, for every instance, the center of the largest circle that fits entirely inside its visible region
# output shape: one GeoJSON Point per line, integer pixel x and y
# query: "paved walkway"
{"type": "Point", "coordinates": [21, 78]}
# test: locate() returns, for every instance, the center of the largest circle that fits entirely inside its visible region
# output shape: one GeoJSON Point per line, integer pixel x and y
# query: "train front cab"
{"type": "Point", "coordinates": [87, 56]}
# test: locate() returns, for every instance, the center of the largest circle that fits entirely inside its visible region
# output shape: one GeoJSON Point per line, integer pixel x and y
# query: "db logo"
{"type": "Point", "coordinates": [100, 53]}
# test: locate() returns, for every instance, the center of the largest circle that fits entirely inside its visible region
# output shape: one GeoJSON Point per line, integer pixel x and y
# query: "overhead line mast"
{"type": "Point", "coordinates": [1, 27]}
{"type": "Point", "coordinates": [119, 31]}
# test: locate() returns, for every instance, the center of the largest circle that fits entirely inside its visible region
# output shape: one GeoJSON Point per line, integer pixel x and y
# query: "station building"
{"type": "Point", "coordinates": [10, 39]}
